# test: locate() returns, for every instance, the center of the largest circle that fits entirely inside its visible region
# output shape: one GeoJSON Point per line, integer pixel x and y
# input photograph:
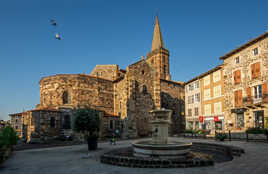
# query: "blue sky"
{"type": "Point", "coordinates": [94, 32]}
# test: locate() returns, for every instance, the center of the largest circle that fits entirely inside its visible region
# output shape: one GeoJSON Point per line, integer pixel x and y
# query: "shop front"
{"type": "Point", "coordinates": [212, 123]}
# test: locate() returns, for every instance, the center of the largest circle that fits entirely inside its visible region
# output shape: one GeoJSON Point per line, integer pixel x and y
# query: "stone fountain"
{"type": "Point", "coordinates": [159, 146]}
{"type": "Point", "coordinates": [159, 152]}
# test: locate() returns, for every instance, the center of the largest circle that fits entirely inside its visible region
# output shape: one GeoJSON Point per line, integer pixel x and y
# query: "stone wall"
{"type": "Point", "coordinates": [172, 97]}
{"type": "Point", "coordinates": [246, 59]}
{"type": "Point", "coordinates": [140, 100]}
{"type": "Point", "coordinates": [109, 72]}
{"type": "Point", "coordinates": [83, 90]}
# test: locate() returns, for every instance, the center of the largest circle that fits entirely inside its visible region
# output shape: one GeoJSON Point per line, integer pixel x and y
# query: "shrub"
{"type": "Point", "coordinates": [87, 121]}
{"type": "Point", "coordinates": [188, 131]}
{"type": "Point", "coordinates": [8, 137]}
{"type": "Point", "coordinates": [257, 131]}
{"type": "Point", "coordinates": [220, 136]}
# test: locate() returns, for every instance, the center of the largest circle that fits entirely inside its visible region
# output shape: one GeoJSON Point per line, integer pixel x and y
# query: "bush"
{"type": "Point", "coordinates": [87, 121]}
{"type": "Point", "coordinates": [8, 137]}
{"type": "Point", "coordinates": [257, 131]}
{"type": "Point", "coordinates": [188, 131]}
{"type": "Point", "coordinates": [220, 136]}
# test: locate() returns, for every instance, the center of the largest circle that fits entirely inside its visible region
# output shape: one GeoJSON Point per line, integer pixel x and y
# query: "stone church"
{"type": "Point", "coordinates": [124, 97]}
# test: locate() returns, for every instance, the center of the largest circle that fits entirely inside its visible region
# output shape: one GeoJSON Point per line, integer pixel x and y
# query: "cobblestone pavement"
{"type": "Point", "coordinates": [73, 159]}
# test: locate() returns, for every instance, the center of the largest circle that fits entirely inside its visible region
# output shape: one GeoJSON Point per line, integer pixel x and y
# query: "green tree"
{"type": "Point", "coordinates": [8, 137]}
{"type": "Point", "coordinates": [87, 122]}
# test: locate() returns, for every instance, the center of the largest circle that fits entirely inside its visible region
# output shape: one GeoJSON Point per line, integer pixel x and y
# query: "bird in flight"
{"type": "Point", "coordinates": [57, 36]}
{"type": "Point", "coordinates": [52, 22]}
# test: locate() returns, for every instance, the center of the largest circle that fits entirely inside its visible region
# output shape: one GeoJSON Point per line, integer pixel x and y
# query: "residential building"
{"type": "Point", "coordinates": [245, 82]}
{"type": "Point", "coordinates": [212, 100]}
{"type": "Point", "coordinates": [193, 103]}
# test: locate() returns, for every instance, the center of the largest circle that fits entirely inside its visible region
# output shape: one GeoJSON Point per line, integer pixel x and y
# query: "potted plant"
{"type": "Point", "coordinates": [87, 122]}
{"type": "Point", "coordinates": [220, 136]}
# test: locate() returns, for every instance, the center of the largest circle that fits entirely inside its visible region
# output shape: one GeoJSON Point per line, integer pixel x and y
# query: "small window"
{"type": "Point", "coordinates": [16, 120]}
{"type": "Point", "coordinates": [255, 51]}
{"type": "Point", "coordinates": [16, 127]}
{"type": "Point", "coordinates": [142, 72]}
{"type": "Point", "coordinates": [237, 60]}
{"type": "Point", "coordinates": [197, 84]}
{"type": "Point", "coordinates": [165, 69]}
{"type": "Point", "coordinates": [189, 112]}
{"type": "Point", "coordinates": [196, 112]}
{"type": "Point", "coordinates": [144, 89]}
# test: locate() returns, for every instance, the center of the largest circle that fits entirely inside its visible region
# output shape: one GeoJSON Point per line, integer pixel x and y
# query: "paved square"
{"type": "Point", "coordinates": [71, 159]}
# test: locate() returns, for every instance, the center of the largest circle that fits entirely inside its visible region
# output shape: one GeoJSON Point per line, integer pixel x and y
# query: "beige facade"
{"type": "Point", "coordinates": [193, 104]}
{"type": "Point", "coordinates": [245, 81]}
{"type": "Point", "coordinates": [212, 99]}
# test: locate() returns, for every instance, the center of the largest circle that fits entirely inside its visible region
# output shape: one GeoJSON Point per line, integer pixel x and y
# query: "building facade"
{"type": "Point", "coordinates": [212, 99]}
{"type": "Point", "coordinates": [245, 81]}
{"type": "Point", "coordinates": [123, 97]}
{"type": "Point", "coordinates": [193, 104]}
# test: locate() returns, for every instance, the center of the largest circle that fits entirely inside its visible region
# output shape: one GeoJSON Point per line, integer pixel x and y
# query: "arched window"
{"type": "Point", "coordinates": [65, 97]}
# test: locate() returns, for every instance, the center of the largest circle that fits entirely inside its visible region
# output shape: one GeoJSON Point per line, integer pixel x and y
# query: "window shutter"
{"type": "Point", "coordinates": [235, 77]}
{"type": "Point", "coordinates": [252, 70]}
{"type": "Point", "coordinates": [238, 76]}
{"type": "Point", "coordinates": [264, 89]}
{"type": "Point", "coordinates": [249, 92]}
{"type": "Point", "coordinates": [257, 69]}
{"type": "Point", "coordinates": [235, 97]}
{"type": "Point", "coordinates": [239, 98]}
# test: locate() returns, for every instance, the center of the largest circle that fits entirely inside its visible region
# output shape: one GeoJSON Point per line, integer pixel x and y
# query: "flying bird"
{"type": "Point", "coordinates": [52, 22]}
{"type": "Point", "coordinates": [57, 36]}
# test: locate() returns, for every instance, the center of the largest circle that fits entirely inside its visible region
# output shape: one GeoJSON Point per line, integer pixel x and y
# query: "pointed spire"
{"type": "Point", "coordinates": [157, 37]}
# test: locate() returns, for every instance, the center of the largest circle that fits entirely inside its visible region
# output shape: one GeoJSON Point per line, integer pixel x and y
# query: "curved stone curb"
{"type": "Point", "coordinates": [128, 160]}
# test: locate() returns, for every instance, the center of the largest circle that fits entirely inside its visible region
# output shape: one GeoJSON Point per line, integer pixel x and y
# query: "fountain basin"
{"type": "Point", "coordinates": [169, 150]}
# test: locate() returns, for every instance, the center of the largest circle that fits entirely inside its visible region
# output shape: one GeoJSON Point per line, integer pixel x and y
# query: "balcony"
{"type": "Point", "coordinates": [255, 100]}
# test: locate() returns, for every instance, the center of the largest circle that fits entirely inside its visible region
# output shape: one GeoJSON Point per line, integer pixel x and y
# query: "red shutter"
{"type": "Point", "coordinates": [235, 98]}
{"type": "Point", "coordinates": [235, 77]}
{"type": "Point", "coordinates": [257, 69]}
{"type": "Point", "coordinates": [264, 88]}
{"type": "Point", "coordinates": [238, 76]}
{"type": "Point", "coordinates": [252, 71]}
{"type": "Point", "coordinates": [240, 100]}
{"type": "Point", "coordinates": [249, 92]}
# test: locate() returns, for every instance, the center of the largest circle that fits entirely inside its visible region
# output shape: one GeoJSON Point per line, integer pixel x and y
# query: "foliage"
{"type": "Point", "coordinates": [201, 132]}
{"type": "Point", "coordinates": [8, 137]}
{"type": "Point", "coordinates": [87, 121]}
{"type": "Point", "coordinates": [257, 131]}
{"type": "Point", "coordinates": [220, 136]}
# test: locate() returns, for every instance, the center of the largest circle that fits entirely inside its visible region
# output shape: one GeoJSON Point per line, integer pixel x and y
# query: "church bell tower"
{"type": "Point", "coordinates": [159, 56]}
